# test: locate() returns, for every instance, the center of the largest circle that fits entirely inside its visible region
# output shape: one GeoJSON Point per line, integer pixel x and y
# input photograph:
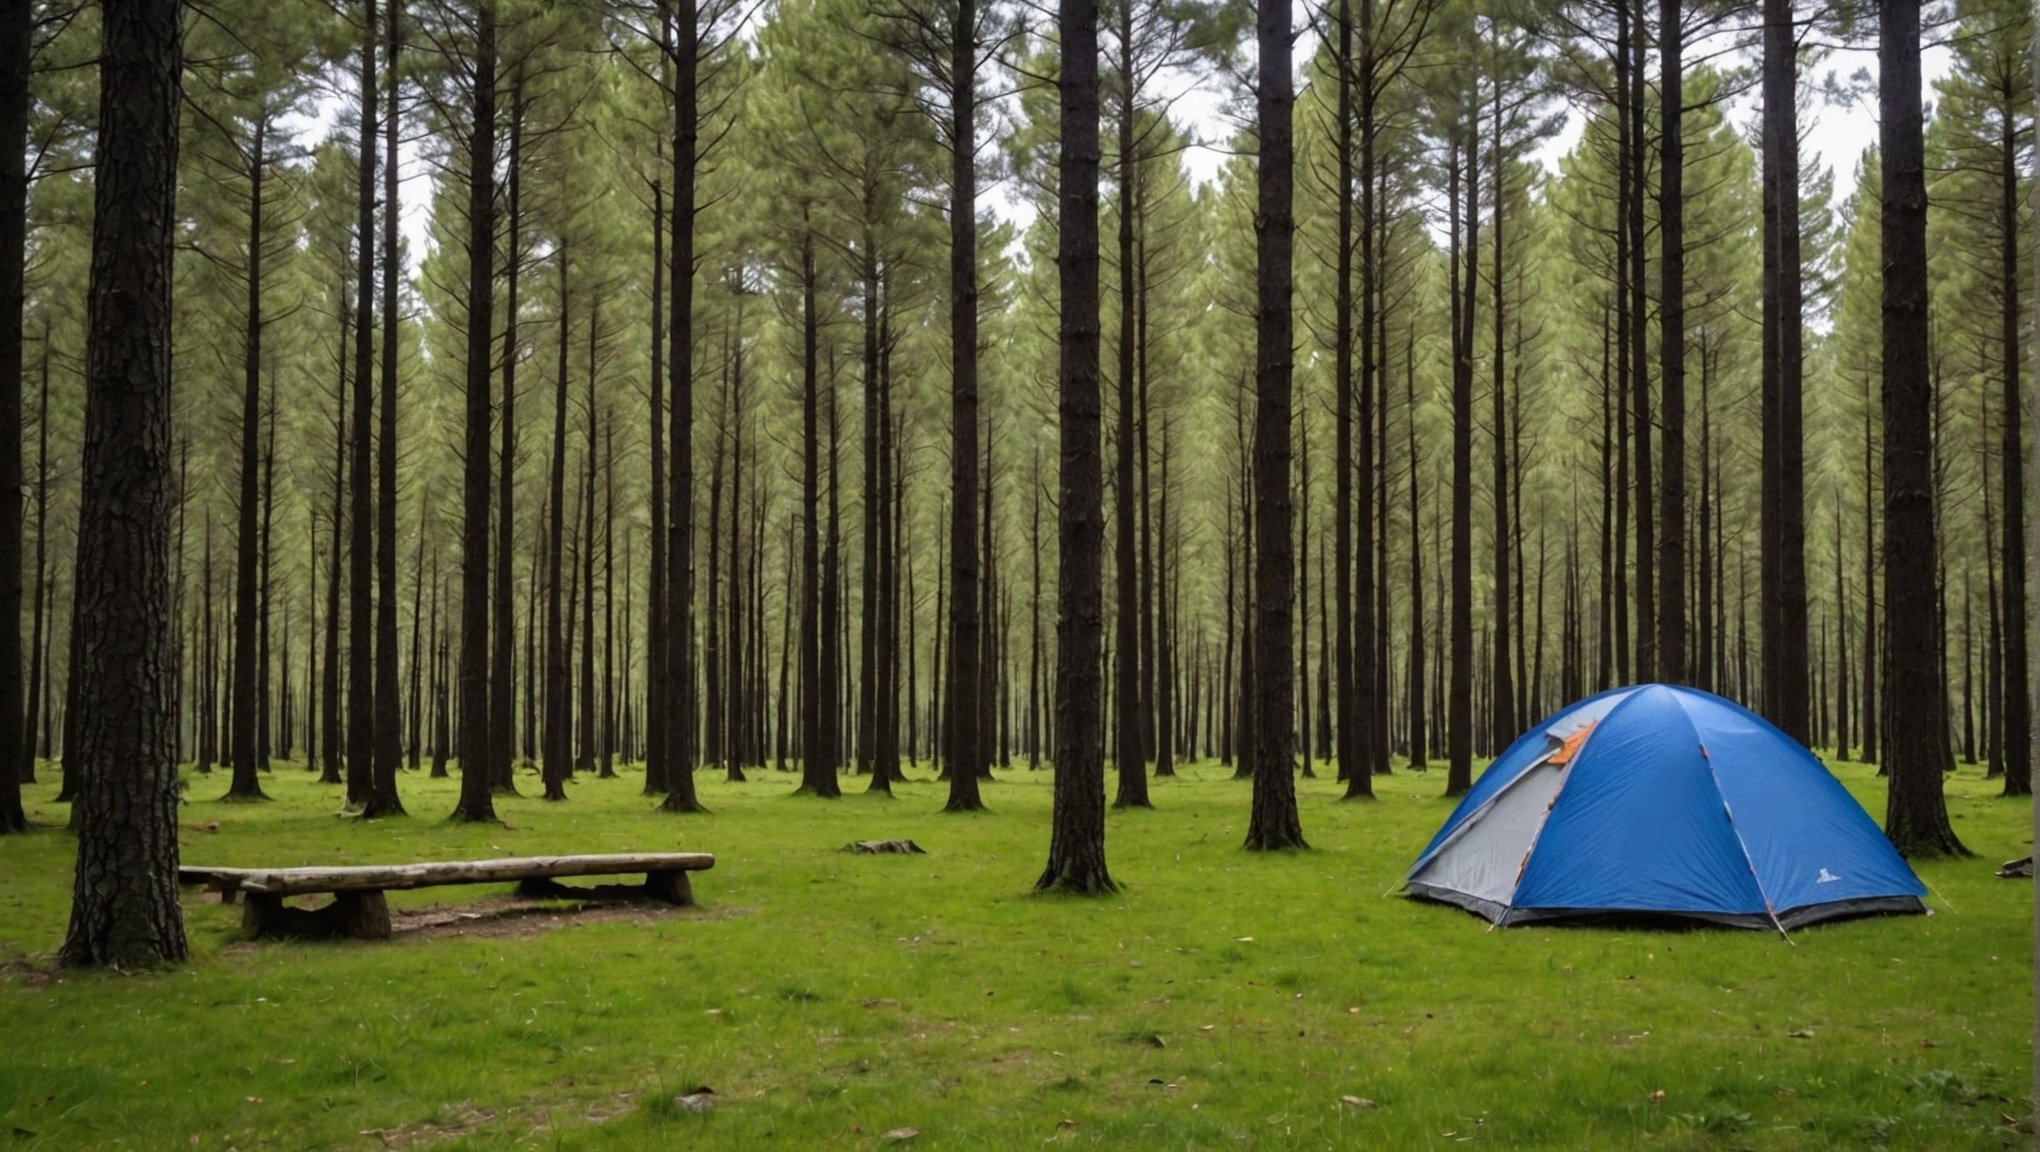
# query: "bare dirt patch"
{"type": "Point", "coordinates": [515, 918]}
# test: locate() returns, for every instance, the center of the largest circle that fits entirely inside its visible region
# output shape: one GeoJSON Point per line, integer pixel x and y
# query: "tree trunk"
{"type": "Point", "coordinates": [1420, 747]}
{"type": "Point", "coordinates": [2018, 691]}
{"type": "Point", "coordinates": [1459, 724]}
{"type": "Point", "coordinates": [329, 678]}
{"type": "Point", "coordinates": [503, 605]}
{"type": "Point", "coordinates": [1842, 688]}
{"type": "Point", "coordinates": [124, 902]}
{"type": "Point", "coordinates": [656, 578]}
{"type": "Point", "coordinates": [1639, 373]}
{"type": "Point", "coordinates": [963, 755]}
{"type": "Point", "coordinates": [1128, 756]}
{"type": "Point", "coordinates": [45, 599]}
{"type": "Point", "coordinates": [246, 785]}
{"type": "Point", "coordinates": [389, 722]}
{"type": "Point", "coordinates": [477, 780]}
{"type": "Point", "coordinates": [361, 713]}
{"type": "Point", "coordinates": [869, 617]}
{"type": "Point", "coordinates": [676, 694]}
{"type": "Point", "coordinates": [1348, 693]}
{"type": "Point", "coordinates": [557, 736]}
{"type": "Point", "coordinates": [1916, 814]}
{"type": "Point", "coordinates": [1671, 592]}
{"type": "Point", "coordinates": [17, 29]}
{"type": "Point", "coordinates": [1273, 822]}
{"type": "Point", "coordinates": [1165, 645]}
{"type": "Point", "coordinates": [1076, 850]}
{"type": "Point", "coordinates": [584, 760]}
{"type": "Point", "coordinates": [1783, 605]}
{"type": "Point", "coordinates": [1502, 713]}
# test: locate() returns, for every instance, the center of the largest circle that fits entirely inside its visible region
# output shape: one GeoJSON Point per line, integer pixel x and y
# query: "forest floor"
{"type": "Point", "coordinates": [1222, 1000]}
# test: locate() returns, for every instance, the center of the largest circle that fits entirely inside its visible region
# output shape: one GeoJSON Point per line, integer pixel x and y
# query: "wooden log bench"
{"type": "Point", "coordinates": [359, 909]}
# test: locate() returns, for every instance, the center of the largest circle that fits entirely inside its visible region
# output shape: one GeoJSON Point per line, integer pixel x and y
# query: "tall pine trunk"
{"type": "Point", "coordinates": [1076, 851]}
{"type": "Point", "coordinates": [124, 900]}
{"type": "Point", "coordinates": [247, 785]}
{"type": "Point", "coordinates": [389, 724]}
{"type": "Point", "coordinates": [1916, 813]}
{"type": "Point", "coordinates": [1273, 823]}
{"type": "Point", "coordinates": [1783, 574]}
{"type": "Point", "coordinates": [477, 800]}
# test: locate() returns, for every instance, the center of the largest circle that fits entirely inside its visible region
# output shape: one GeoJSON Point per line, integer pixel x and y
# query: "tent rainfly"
{"type": "Point", "coordinates": [1661, 800]}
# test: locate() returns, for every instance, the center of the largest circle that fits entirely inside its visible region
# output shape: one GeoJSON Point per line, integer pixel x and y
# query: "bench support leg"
{"type": "Point", "coordinates": [670, 887]}
{"type": "Point", "coordinates": [355, 915]}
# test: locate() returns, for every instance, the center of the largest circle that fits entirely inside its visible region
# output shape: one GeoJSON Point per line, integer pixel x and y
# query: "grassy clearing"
{"type": "Point", "coordinates": [1224, 1000]}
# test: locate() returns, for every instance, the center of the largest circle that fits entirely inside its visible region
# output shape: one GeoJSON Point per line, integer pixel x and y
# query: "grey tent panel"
{"type": "Point", "coordinates": [1482, 864]}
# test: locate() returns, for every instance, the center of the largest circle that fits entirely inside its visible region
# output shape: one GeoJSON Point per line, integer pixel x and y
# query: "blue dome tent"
{"type": "Point", "coordinates": [1661, 800]}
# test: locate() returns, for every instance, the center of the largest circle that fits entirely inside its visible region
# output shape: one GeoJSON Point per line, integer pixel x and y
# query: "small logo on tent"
{"type": "Point", "coordinates": [1826, 877]}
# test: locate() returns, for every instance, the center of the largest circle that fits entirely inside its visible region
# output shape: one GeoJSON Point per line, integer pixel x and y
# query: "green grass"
{"type": "Point", "coordinates": [1223, 1000]}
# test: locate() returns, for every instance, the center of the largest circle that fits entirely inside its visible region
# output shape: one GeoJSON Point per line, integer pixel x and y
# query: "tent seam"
{"type": "Point", "coordinates": [1742, 845]}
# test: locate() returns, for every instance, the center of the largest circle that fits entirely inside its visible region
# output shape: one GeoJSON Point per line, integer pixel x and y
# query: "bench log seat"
{"type": "Point", "coordinates": [359, 909]}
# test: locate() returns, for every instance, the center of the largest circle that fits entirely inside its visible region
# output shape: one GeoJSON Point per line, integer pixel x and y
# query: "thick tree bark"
{"type": "Point", "coordinates": [477, 800]}
{"type": "Point", "coordinates": [16, 36]}
{"type": "Point", "coordinates": [124, 902]}
{"type": "Point", "coordinates": [1076, 850]}
{"type": "Point", "coordinates": [963, 754]}
{"type": "Point", "coordinates": [1272, 823]}
{"type": "Point", "coordinates": [1916, 813]}
{"type": "Point", "coordinates": [1783, 605]}
{"type": "Point", "coordinates": [1353, 766]}
{"type": "Point", "coordinates": [1671, 592]}
{"type": "Point", "coordinates": [361, 702]}
{"type": "Point", "coordinates": [1646, 664]}
{"type": "Point", "coordinates": [677, 710]}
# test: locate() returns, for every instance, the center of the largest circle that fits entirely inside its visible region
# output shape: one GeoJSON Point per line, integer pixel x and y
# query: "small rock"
{"type": "Point", "coordinates": [896, 1135]}
{"type": "Point", "coordinates": [1360, 1102]}
{"type": "Point", "coordinates": [701, 1101]}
